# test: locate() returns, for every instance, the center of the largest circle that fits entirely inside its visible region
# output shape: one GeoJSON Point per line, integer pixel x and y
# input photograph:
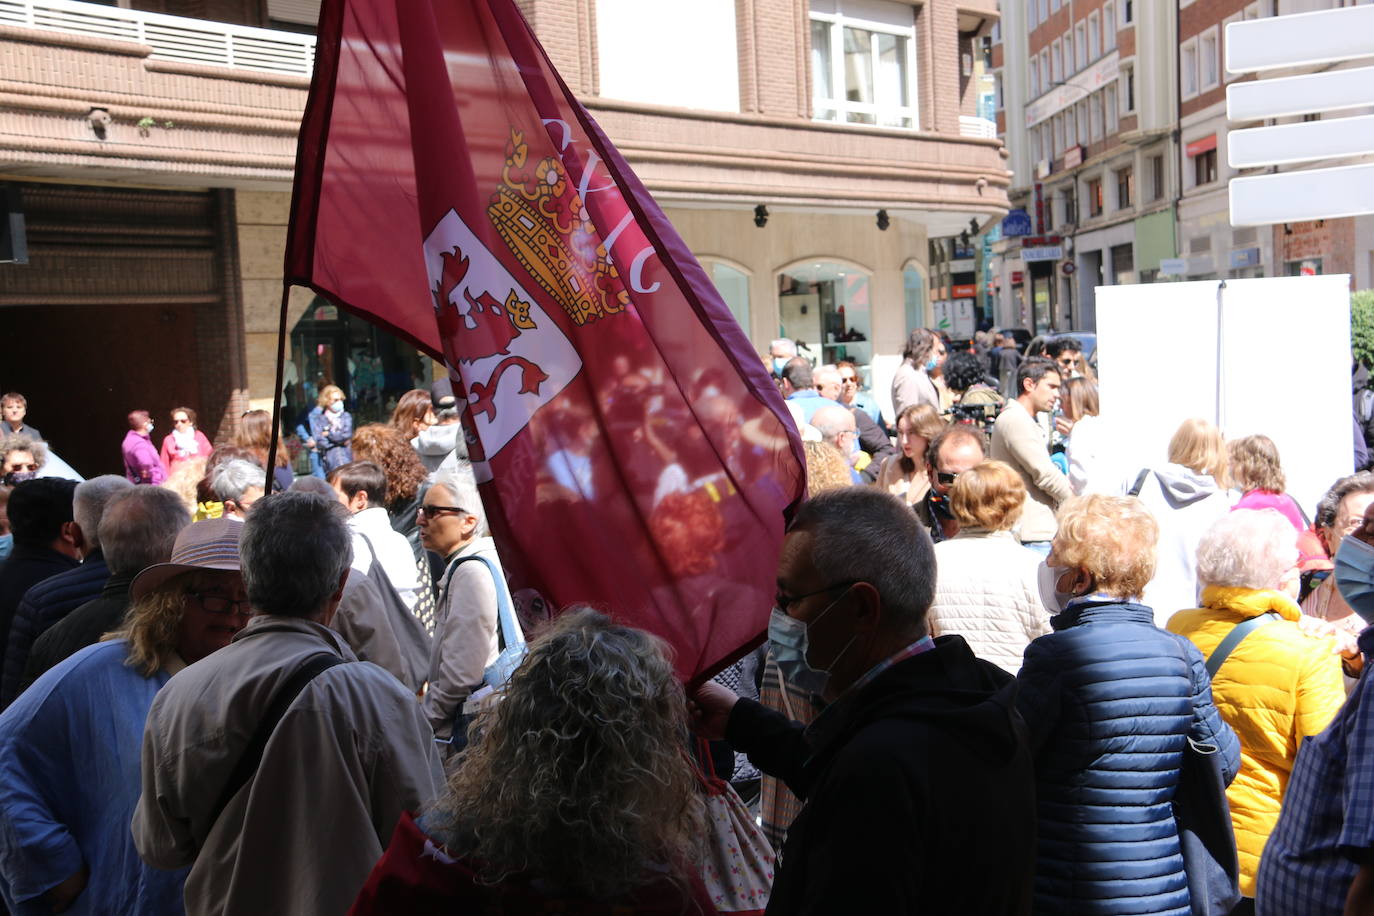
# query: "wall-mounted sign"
{"type": "Point", "coordinates": [1017, 277]}
{"type": "Point", "coordinates": [1016, 223]}
{"type": "Point", "coordinates": [1042, 253]}
{"type": "Point", "coordinates": [1075, 90]}
{"type": "Point", "coordinates": [963, 290]}
{"type": "Point", "coordinates": [1173, 267]}
{"type": "Point", "coordinates": [1245, 257]}
{"type": "Point", "coordinates": [1068, 267]}
{"type": "Point", "coordinates": [1073, 157]}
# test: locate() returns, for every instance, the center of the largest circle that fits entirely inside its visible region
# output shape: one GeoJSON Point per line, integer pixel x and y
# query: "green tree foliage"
{"type": "Point", "coordinates": [1362, 326]}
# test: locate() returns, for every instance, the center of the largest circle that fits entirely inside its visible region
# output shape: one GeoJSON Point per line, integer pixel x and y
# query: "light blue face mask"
{"type": "Point", "coordinates": [779, 362]}
{"type": "Point", "coordinates": [788, 641]}
{"type": "Point", "coordinates": [1355, 576]}
{"type": "Point", "coordinates": [931, 364]}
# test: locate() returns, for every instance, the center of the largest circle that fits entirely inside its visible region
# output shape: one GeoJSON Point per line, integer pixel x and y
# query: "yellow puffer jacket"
{"type": "Point", "coordinates": [1278, 687]}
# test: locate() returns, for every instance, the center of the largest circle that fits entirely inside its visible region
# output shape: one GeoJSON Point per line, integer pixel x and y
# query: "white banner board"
{"type": "Point", "coordinates": [1268, 356]}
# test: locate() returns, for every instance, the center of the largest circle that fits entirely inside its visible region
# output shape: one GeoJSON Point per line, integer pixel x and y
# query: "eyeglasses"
{"type": "Point", "coordinates": [219, 604]}
{"type": "Point", "coordinates": [439, 511]}
{"type": "Point", "coordinates": [782, 601]}
{"type": "Point", "coordinates": [180, 420]}
{"type": "Point", "coordinates": [946, 479]}
{"type": "Point", "coordinates": [34, 467]}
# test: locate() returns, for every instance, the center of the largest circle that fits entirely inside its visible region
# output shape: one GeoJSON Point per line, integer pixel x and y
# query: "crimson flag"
{"type": "Point", "coordinates": [631, 448]}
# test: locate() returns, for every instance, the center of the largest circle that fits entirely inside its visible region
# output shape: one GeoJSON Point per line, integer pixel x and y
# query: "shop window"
{"type": "Point", "coordinates": [827, 307]}
{"type": "Point", "coordinates": [332, 347]}
{"type": "Point", "coordinates": [862, 73]}
{"type": "Point", "coordinates": [733, 286]}
{"type": "Point", "coordinates": [1205, 167]}
{"type": "Point", "coordinates": [1094, 197]}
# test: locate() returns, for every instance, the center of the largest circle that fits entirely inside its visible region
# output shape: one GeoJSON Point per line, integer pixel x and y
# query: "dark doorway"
{"type": "Point", "coordinates": [84, 367]}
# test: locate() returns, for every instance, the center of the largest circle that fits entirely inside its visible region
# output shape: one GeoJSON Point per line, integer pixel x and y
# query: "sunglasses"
{"type": "Point", "coordinates": [219, 604]}
{"type": "Point", "coordinates": [946, 479]}
{"type": "Point", "coordinates": [439, 511]}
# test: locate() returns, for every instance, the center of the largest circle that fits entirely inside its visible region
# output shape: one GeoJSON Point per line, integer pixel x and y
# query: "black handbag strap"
{"type": "Point", "coordinates": [1139, 483]}
{"type": "Point", "coordinates": [251, 758]}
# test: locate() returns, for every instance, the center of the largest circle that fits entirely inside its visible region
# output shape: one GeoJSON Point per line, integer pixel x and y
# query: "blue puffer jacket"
{"type": "Point", "coordinates": [1110, 700]}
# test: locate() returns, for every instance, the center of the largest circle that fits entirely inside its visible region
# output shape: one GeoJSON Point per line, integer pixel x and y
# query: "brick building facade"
{"type": "Point", "coordinates": [154, 173]}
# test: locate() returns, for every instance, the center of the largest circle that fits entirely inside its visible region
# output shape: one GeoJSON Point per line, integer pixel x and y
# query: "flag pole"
{"type": "Point", "coordinates": [276, 391]}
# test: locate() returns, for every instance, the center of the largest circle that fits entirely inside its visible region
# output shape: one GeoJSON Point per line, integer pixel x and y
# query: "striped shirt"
{"type": "Point", "coordinates": [1326, 826]}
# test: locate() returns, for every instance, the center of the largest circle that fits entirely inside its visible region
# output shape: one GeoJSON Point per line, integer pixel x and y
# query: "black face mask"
{"type": "Point", "coordinates": [16, 477]}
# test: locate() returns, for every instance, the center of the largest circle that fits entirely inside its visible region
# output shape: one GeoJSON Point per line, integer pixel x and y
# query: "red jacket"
{"type": "Point", "coordinates": [417, 875]}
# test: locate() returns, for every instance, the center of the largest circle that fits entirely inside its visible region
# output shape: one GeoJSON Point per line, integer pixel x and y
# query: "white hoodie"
{"type": "Point", "coordinates": [1185, 503]}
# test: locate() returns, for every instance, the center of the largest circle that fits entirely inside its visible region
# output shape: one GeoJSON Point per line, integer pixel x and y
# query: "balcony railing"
{"type": "Point", "coordinates": [968, 127]}
{"type": "Point", "coordinates": [174, 38]}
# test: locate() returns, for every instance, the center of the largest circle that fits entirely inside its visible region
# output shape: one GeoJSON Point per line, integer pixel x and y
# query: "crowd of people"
{"type": "Point", "coordinates": [1004, 673]}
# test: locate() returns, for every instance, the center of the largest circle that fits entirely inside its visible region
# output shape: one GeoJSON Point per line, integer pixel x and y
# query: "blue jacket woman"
{"type": "Point", "coordinates": [1110, 701]}
{"type": "Point", "coordinates": [332, 429]}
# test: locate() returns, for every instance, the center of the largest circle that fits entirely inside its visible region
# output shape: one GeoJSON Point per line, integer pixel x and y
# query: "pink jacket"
{"type": "Point", "coordinates": [141, 461]}
{"type": "Point", "coordinates": [171, 456]}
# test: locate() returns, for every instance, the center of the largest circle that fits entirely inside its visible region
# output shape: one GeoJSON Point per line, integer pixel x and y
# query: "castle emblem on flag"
{"type": "Point", "coordinates": [512, 357]}
{"type": "Point", "coordinates": [543, 220]}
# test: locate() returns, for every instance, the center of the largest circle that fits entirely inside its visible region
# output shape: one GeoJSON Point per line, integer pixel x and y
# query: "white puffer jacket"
{"type": "Point", "coordinates": [986, 590]}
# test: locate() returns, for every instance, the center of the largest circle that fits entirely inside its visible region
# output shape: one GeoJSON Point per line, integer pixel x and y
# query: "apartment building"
{"type": "Point", "coordinates": [1086, 104]}
{"type": "Point", "coordinates": [1114, 114]}
{"type": "Point", "coordinates": [808, 152]}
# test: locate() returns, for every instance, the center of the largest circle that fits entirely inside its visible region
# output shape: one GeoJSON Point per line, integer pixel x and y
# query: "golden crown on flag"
{"type": "Point", "coordinates": [541, 218]}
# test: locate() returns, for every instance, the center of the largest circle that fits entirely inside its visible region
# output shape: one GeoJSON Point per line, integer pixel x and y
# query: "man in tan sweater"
{"type": "Point", "coordinates": [1021, 442]}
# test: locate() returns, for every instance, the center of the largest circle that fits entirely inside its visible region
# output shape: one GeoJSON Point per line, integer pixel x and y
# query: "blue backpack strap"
{"type": "Point", "coordinates": [509, 627]}
{"type": "Point", "coordinates": [1238, 632]}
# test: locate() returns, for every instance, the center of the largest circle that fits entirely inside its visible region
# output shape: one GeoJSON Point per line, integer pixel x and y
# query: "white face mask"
{"type": "Point", "coordinates": [789, 641]}
{"type": "Point", "coordinates": [148, 428]}
{"type": "Point", "coordinates": [1048, 579]}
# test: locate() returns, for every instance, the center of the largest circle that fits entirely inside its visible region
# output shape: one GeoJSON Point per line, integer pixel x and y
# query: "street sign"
{"type": "Point", "coordinates": [1301, 142]}
{"type": "Point", "coordinates": [1290, 197]}
{"type": "Point", "coordinates": [1043, 253]}
{"type": "Point", "coordinates": [1016, 223]}
{"type": "Point", "coordinates": [1173, 267]}
{"type": "Point", "coordinates": [1301, 40]}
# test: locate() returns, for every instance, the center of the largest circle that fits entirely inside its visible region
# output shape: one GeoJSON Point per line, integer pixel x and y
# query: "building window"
{"type": "Point", "coordinates": [997, 96]}
{"type": "Point", "coordinates": [1113, 115]}
{"type": "Point", "coordinates": [1127, 12]}
{"type": "Point", "coordinates": [1044, 9]}
{"type": "Point", "coordinates": [1094, 38]}
{"type": "Point", "coordinates": [1071, 127]}
{"type": "Point", "coordinates": [1156, 165]}
{"type": "Point", "coordinates": [1080, 48]}
{"type": "Point", "coordinates": [1056, 62]}
{"type": "Point", "coordinates": [1095, 113]}
{"type": "Point", "coordinates": [1188, 64]}
{"type": "Point", "coordinates": [1128, 95]}
{"type": "Point", "coordinates": [1205, 167]}
{"type": "Point", "coordinates": [1094, 197]}
{"type": "Point", "coordinates": [826, 305]}
{"type": "Point", "coordinates": [1109, 27]}
{"type": "Point", "coordinates": [733, 286]}
{"type": "Point", "coordinates": [1209, 60]}
{"type": "Point", "coordinates": [1125, 188]}
{"type": "Point", "coordinates": [862, 75]}
{"type": "Point", "coordinates": [1070, 205]}
{"type": "Point", "coordinates": [1227, 76]}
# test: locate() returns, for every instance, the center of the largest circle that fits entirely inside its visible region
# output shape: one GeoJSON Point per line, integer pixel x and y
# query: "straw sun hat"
{"type": "Point", "coordinates": [211, 544]}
